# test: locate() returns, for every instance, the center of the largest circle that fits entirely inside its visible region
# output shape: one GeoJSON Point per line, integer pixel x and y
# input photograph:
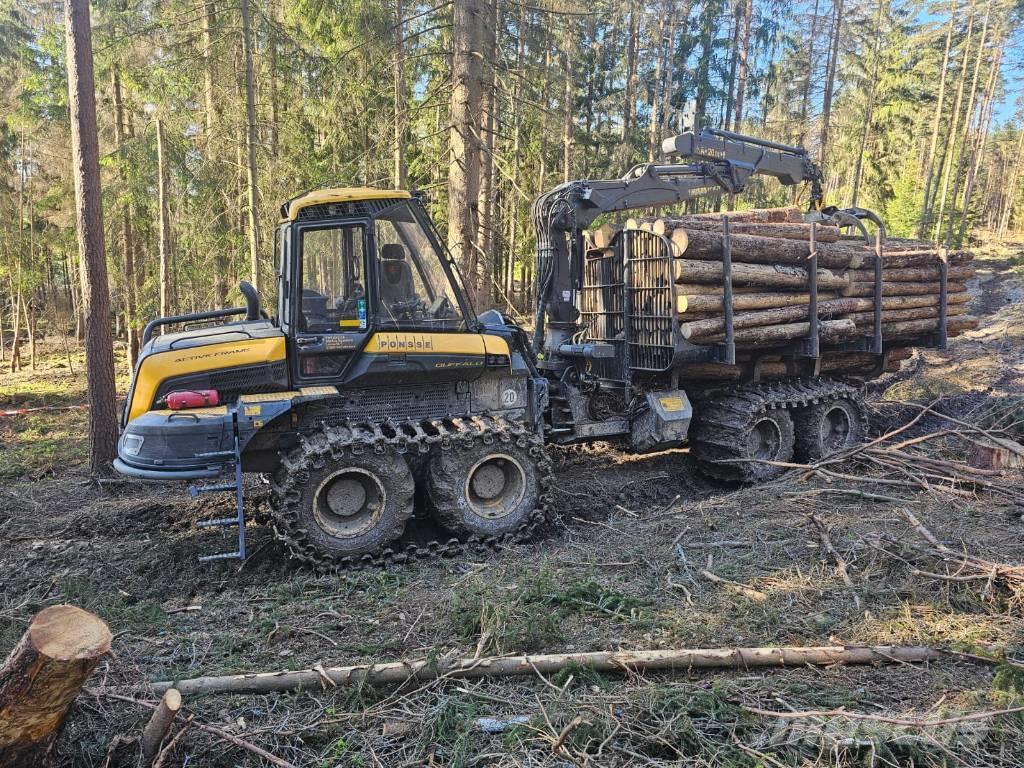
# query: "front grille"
{"type": "Point", "coordinates": [360, 208]}
{"type": "Point", "coordinates": [425, 403]}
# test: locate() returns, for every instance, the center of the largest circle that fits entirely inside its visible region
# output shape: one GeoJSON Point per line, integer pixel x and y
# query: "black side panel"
{"type": "Point", "coordinates": [231, 382]}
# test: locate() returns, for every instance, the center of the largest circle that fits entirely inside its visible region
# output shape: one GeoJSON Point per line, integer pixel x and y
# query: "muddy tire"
{"type": "Point", "coordinates": [335, 502]}
{"type": "Point", "coordinates": [735, 438]}
{"type": "Point", "coordinates": [827, 428]}
{"type": "Point", "coordinates": [478, 489]}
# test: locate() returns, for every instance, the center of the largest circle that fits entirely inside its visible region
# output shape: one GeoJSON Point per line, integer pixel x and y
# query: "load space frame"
{"type": "Point", "coordinates": [628, 301]}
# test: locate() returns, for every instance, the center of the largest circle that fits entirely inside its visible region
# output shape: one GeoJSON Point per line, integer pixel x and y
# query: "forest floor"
{"type": "Point", "coordinates": [622, 570]}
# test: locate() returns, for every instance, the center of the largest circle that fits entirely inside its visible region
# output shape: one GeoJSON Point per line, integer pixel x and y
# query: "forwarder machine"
{"type": "Point", "coordinates": [395, 423]}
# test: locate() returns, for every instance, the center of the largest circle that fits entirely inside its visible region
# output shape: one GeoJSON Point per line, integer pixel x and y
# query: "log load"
{"type": "Point", "coordinates": [770, 253]}
{"type": "Point", "coordinates": [711, 301]}
{"type": "Point", "coordinates": [762, 275]}
{"type": "Point", "coordinates": [862, 309]}
{"type": "Point", "coordinates": [924, 274]}
{"type": "Point", "coordinates": [41, 678]}
{"type": "Point", "coordinates": [901, 289]}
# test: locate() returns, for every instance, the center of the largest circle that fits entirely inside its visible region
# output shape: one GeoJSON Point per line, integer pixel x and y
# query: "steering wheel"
{"type": "Point", "coordinates": [408, 309]}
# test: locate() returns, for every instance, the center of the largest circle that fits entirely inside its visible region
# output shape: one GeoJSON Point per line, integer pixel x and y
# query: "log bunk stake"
{"type": "Point", "coordinates": [812, 343]}
{"type": "Point", "coordinates": [940, 335]}
{"type": "Point", "coordinates": [876, 336]}
{"type": "Point", "coordinates": [728, 354]}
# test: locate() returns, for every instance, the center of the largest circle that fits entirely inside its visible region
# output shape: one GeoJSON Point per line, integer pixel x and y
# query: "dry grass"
{"type": "Point", "coordinates": [623, 571]}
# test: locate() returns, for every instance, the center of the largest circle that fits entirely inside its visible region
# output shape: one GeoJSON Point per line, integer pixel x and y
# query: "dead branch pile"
{"type": "Point", "coordinates": [892, 466]}
{"type": "Point", "coordinates": [954, 566]}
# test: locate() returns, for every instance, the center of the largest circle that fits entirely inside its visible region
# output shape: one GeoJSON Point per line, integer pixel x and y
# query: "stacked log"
{"type": "Point", "coordinates": [770, 291]}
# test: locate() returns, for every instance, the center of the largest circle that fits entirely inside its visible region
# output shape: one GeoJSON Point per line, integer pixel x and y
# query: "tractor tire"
{"type": "Point", "coordinates": [737, 435]}
{"type": "Point", "coordinates": [829, 427]}
{"type": "Point", "coordinates": [484, 489]}
{"type": "Point", "coordinates": [334, 501]}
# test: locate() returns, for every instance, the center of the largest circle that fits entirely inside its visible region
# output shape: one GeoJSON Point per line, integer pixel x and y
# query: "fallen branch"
{"type": "Point", "coordinates": [211, 729]}
{"type": "Point", "coordinates": [740, 589]}
{"type": "Point", "coordinates": [401, 672]}
{"type": "Point", "coordinates": [901, 721]}
{"type": "Point", "coordinates": [852, 492]}
{"type": "Point", "coordinates": [156, 729]}
{"type": "Point", "coordinates": [844, 572]}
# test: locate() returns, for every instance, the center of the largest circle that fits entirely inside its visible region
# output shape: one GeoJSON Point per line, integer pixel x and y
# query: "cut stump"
{"type": "Point", "coordinates": [41, 678]}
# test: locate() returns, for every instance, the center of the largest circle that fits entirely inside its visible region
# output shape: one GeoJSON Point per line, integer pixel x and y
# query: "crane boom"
{"type": "Point", "coordinates": [723, 161]}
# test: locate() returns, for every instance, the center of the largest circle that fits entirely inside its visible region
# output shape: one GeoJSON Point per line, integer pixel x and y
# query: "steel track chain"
{"type": "Point", "coordinates": [726, 412]}
{"type": "Point", "coordinates": [407, 437]}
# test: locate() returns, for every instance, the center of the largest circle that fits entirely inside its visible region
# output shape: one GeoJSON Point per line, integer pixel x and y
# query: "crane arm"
{"type": "Point", "coordinates": [723, 161]}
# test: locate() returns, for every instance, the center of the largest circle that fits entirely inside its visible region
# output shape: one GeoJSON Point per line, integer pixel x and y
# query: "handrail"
{"type": "Point", "coordinates": [212, 314]}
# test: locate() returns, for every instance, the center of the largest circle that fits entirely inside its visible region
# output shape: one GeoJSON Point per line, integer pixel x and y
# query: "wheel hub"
{"type": "Point", "coordinates": [349, 502]}
{"type": "Point", "coordinates": [835, 429]}
{"type": "Point", "coordinates": [765, 440]}
{"type": "Point", "coordinates": [495, 486]}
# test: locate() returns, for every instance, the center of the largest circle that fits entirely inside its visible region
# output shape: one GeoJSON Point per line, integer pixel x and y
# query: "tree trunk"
{"type": "Point", "coordinates": [163, 221]}
{"type": "Point", "coordinates": [160, 722]}
{"type": "Point", "coordinates": [401, 97]}
{"type": "Point", "coordinates": [127, 244]}
{"type": "Point", "coordinates": [829, 332]}
{"type": "Point", "coordinates": [617, 662]}
{"type": "Point", "coordinates": [949, 146]}
{"type": "Point", "coordinates": [16, 329]}
{"type": "Point", "coordinates": [901, 289]}
{"type": "Point", "coordinates": [805, 99]}
{"type": "Point", "coordinates": [464, 138]}
{"type": "Point", "coordinates": [968, 121]}
{"type": "Point", "coordinates": [823, 233]}
{"type": "Point", "coordinates": [766, 275]}
{"type": "Point", "coordinates": [629, 96]}
{"type": "Point", "coordinates": [99, 348]}
{"type": "Point", "coordinates": [1011, 191]}
{"type": "Point", "coordinates": [568, 107]}
{"type": "Point", "coordinates": [655, 91]}
{"type": "Point", "coordinates": [752, 249]}
{"type": "Point", "coordinates": [485, 238]}
{"type": "Point", "coordinates": [913, 274]}
{"type": "Point", "coordinates": [689, 304]}
{"type": "Point", "coordinates": [741, 74]}
{"type": "Point", "coordinates": [830, 77]}
{"type": "Point", "coordinates": [869, 111]}
{"type": "Point", "coordinates": [41, 678]}
{"type": "Point", "coordinates": [252, 193]}
{"type": "Point", "coordinates": [929, 165]}
{"type": "Point", "coordinates": [981, 138]}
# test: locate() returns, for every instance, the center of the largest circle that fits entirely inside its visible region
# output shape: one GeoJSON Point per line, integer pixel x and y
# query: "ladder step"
{"type": "Point", "coordinates": [224, 521]}
{"type": "Point", "coordinates": [195, 490]}
{"type": "Point", "coordinates": [221, 556]}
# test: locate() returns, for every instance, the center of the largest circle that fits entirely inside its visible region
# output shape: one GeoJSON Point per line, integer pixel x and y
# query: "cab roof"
{"type": "Point", "coordinates": [290, 210]}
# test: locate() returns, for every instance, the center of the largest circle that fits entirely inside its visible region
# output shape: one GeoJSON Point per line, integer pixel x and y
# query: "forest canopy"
{"type": "Point", "coordinates": [214, 112]}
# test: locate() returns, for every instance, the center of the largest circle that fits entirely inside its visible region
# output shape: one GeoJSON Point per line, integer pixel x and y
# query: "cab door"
{"type": "Point", "coordinates": [331, 304]}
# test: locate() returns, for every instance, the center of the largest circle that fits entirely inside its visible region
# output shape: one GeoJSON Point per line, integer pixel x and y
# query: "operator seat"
{"type": "Point", "coordinates": [396, 283]}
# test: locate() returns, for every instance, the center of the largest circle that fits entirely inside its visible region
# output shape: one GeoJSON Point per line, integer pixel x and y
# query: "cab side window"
{"type": "Point", "coordinates": [333, 296]}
